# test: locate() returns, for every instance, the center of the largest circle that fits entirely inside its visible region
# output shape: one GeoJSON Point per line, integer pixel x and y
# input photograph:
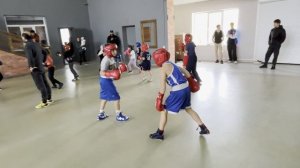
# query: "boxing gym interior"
{"type": "Point", "coordinates": [119, 66]}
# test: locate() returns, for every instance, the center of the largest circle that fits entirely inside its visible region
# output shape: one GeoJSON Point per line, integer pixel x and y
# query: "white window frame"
{"type": "Point", "coordinates": [209, 39]}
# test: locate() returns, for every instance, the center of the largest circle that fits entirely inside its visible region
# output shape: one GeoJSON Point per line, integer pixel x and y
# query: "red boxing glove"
{"type": "Point", "coordinates": [122, 67]}
{"type": "Point", "coordinates": [139, 58]}
{"type": "Point", "coordinates": [194, 86]}
{"type": "Point", "coordinates": [114, 74]}
{"type": "Point", "coordinates": [127, 52]}
{"type": "Point", "coordinates": [185, 60]}
{"type": "Point", "coordinates": [158, 104]}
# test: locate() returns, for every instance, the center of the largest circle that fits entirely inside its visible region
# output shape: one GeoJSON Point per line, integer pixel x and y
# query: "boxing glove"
{"type": "Point", "coordinates": [140, 58]}
{"type": "Point", "coordinates": [185, 60]}
{"type": "Point", "coordinates": [158, 104]}
{"type": "Point", "coordinates": [122, 67]}
{"type": "Point", "coordinates": [194, 86]}
{"type": "Point", "coordinates": [114, 74]}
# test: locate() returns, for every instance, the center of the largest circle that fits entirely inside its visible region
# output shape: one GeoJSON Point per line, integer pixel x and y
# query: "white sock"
{"type": "Point", "coordinates": [101, 111]}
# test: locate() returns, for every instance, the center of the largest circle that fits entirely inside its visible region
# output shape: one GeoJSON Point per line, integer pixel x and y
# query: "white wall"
{"type": "Point", "coordinates": [247, 22]}
{"type": "Point", "coordinates": [108, 15]}
{"type": "Point", "coordinates": [288, 12]}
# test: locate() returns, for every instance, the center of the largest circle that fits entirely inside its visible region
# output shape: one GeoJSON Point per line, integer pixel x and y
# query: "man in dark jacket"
{"type": "Point", "coordinates": [276, 38]}
{"type": "Point", "coordinates": [34, 55]}
{"type": "Point", "coordinates": [114, 39]}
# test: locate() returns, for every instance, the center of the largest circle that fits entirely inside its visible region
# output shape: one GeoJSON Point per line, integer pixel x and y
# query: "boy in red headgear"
{"type": "Point", "coordinates": [108, 73]}
{"type": "Point", "coordinates": [182, 84]}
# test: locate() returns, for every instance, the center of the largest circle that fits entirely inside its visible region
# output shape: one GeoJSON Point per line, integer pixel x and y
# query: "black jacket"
{"type": "Point", "coordinates": [277, 36]}
{"type": "Point", "coordinates": [34, 55]}
{"type": "Point", "coordinates": [113, 39]}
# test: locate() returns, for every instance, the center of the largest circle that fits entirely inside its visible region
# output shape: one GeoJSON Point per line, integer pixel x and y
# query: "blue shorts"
{"type": "Point", "coordinates": [178, 100]}
{"type": "Point", "coordinates": [108, 90]}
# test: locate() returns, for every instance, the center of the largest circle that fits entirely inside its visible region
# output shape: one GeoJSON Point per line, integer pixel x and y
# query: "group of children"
{"type": "Point", "coordinates": [180, 80]}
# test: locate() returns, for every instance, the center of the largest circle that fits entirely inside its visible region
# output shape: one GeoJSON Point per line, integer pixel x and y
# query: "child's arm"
{"type": "Point", "coordinates": [185, 72]}
{"type": "Point", "coordinates": [159, 99]}
{"type": "Point", "coordinates": [163, 80]}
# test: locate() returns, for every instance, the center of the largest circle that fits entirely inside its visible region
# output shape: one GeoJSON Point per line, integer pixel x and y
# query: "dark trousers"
{"type": "Point", "coordinates": [51, 71]}
{"type": "Point", "coordinates": [82, 57]}
{"type": "Point", "coordinates": [1, 76]}
{"type": "Point", "coordinates": [71, 66]}
{"type": "Point", "coordinates": [192, 70]}
{"type": "Point", "coordinates": [41, 83]}
{"type": "Point", "coordinates": [231, 47]}
{"type": "Point", "coordinates": [272, 49]}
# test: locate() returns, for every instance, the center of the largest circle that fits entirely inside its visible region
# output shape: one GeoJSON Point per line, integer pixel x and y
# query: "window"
{"type": "Point", "coordinates": [204, 24]}
{"type": "Point", "coordinates": [20, 24]}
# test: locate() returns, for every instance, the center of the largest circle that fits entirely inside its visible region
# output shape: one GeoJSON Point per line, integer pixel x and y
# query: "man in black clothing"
{"type": "Point", "coordinates": [231, 43]}
{"type": "Point", "coordinates": [34, 55]}
{"type": "Point", "coordinates": [114, 39]}
{"type": "Point", "coordinates": [276, 38]}
{"type": "Point", "coordinates": [68, 56]}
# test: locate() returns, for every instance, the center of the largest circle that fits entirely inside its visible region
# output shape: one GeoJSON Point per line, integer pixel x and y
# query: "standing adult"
{"type": "Point", "coordinates": [35, 37]}
{"type": "Point", "coordinates": [276, 38]}
{"type": "Point", "coordinates": [191, 66]}
{"type": "Point", "coordinates": [81, 49]}
{"type": "Point", "coordinates": [231, 43]}
{"type": "Point", "coordinates": [68, 56]}
{"type": "Point", "coordinates": [34, 55]}
{"type": "Point", "coordinates": [218, 39]}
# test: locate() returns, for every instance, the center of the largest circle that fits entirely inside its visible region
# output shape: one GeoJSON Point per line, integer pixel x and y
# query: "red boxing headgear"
{"type": "Point", "coordinates": [108, 48]}
{"type": "Point", "coordinates": [160, 56]}
{"type": "Point", "coordinates": [144, 47]}
{"type": "Point", "coordinates": [188, 38]}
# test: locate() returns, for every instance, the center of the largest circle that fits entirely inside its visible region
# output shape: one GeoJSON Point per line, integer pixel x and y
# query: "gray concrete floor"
{"type": "Point", "coordinates": [253, 116]}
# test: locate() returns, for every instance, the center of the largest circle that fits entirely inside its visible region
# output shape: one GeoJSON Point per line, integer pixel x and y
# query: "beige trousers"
{"type": "Point", "coordinates": [219, 51]}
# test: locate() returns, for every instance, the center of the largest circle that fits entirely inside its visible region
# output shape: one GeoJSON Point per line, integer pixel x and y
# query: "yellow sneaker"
{"type": "Point", "coordinates": [41, 105]}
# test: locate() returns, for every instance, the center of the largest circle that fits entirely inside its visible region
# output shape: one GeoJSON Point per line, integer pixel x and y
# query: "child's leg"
{"type": "Point", "coordinates": [159, 134]}
{"type": "Point", "coordinates": [194, 116]}
{"type": "Point", "coordinates": [163, 120]}
{"type": "Point", "coordinates": [119, 115]}
{"type": "Point", "coordinates": [117, 106]}
{"type": "Point", "coordinates": [102, 115]}
{"type": "Point", "coordinates": [102, 105]}
{"type": "Point", "coordinates": [198, 120]}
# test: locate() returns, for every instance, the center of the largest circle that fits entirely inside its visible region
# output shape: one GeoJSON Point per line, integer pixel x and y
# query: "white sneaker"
{"type": "Point", "coordinates": [235, 62]}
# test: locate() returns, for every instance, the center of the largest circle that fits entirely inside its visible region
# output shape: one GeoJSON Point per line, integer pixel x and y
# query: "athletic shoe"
{"type": "Point", "coordinates": [263, 66]}
{"type": "Point", "coordinates": [157, 135]}
{"type": "Point", "coordinates": [235, 62]}
{"type": "Point", "coordinates": [50, 102]}
{"type": "Point", "coordinates": [101, 116]}
{"type": "Point", "coordinates": [273, 68]}
{"type": "Point", "coordinates": [41, 105]}
{"type": "Point", "coordinates": [121, 117]}
{"type": "Point", "coordinates": [221, 61]}
{"type": "Point", "coordinates": [0, 88]}
{"type": "Point", "coordinates": [60, 85]}
{"type": "Point", "coordinates": [203, 130]}
{"type": "Point", "coordinates": [217, 61]}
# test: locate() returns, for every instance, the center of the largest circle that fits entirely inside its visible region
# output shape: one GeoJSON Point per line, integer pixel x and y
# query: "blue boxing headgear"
{"type": "Point", "coordinates": [138, 44]}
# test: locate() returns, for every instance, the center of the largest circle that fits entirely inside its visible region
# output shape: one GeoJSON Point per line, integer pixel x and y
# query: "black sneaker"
{"type": "Point", "coordinates": [60, 85]}
{"type": "Point", "coordinates": [273, 68]}
{"type": "Point", "coordinates": [157, 135]}
{"type": "Point", "coordinates": [221, 61]}
{"type": "Point", "coordinates": [263, 66]}
{"type": "Point", "coordinates": [203, 130]}
{"type": "Point", "coordinates": [217, 61]}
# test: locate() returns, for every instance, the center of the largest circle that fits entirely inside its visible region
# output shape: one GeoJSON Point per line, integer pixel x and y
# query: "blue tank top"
{"type": "Point", "coordinates": [176, 77]}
